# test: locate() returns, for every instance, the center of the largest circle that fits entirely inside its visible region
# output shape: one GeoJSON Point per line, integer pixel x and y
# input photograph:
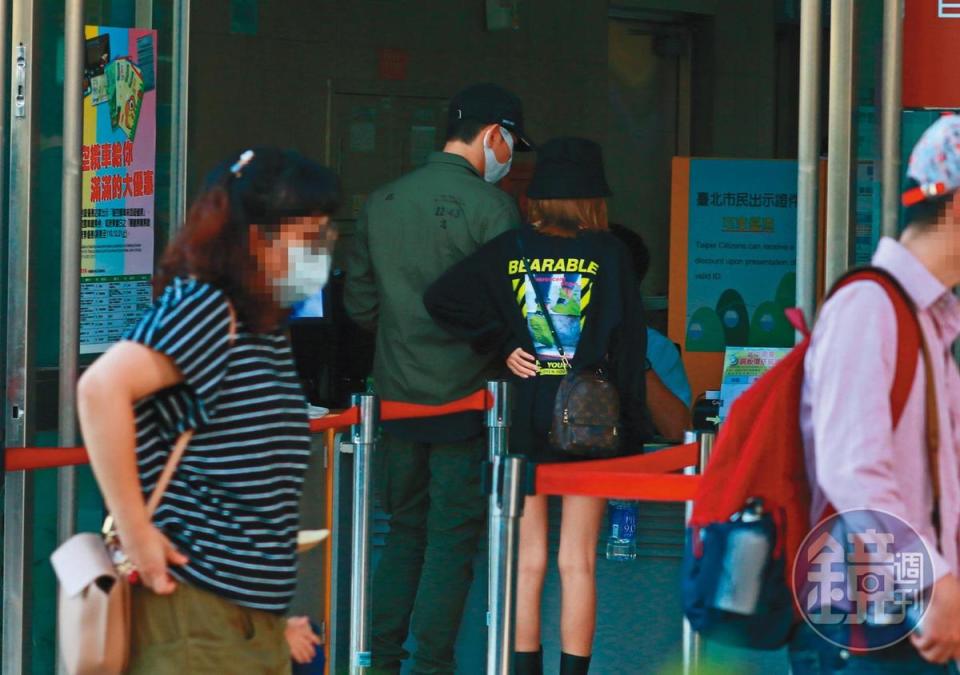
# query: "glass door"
{"type": "Point", "coordinates": [132, 162]}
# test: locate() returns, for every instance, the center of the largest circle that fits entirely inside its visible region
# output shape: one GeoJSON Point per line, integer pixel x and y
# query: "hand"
{"type": "Point", "coordinates": [938, 639]}
{"type": "Point", "coordinates": [150, 551]}
{"type": "Point", "coordinates": [522, 364]}
{"type": "Point", "coordinates": [301, 639]}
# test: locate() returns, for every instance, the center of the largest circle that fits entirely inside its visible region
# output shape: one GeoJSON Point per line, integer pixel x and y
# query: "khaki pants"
{"type": "Point", "coordinates": [193, 632]}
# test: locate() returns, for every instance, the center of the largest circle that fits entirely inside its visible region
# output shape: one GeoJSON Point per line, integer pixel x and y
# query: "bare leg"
{"type": "Point", "coordinates": [531, 569]}
{"type": "Point", "coordinates": [579, 530]}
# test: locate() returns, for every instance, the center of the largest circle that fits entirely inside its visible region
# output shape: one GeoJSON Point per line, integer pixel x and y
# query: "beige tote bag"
{"type": "Point", "coordinates": [94, 603]}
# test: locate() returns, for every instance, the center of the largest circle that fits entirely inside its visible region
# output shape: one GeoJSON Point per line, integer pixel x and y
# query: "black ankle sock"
{"type": "Point", "coordinates": [574, 665]}
{"type": "Point", "coordinates": [528, 663]}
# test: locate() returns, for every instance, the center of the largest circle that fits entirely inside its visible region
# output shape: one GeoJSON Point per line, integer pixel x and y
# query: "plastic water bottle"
{"type": "Point", "coordinates": [745, 558]}
{"type": "Point", "coordinates": [622, 542]}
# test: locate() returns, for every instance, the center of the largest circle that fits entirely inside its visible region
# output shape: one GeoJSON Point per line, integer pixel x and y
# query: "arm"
{"type": "Point", "coordinates": [360, 296]}
{"type": "Point", "coordinates": [668, 390]}
{"type": "Point", "coordinates": [463, 302]}
{"type": "Point", "coordinates": [106, 394]}
{"type": "Point", "coordinates": [670, 415]}
{"type": "Point", "coordinates": [628, 353]}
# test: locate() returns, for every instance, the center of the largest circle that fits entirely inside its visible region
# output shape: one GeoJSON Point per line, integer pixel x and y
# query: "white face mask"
{"type": "Point", "coordinates": [494, 170]}
{"type": "Point", "coordinates": [307, 273]}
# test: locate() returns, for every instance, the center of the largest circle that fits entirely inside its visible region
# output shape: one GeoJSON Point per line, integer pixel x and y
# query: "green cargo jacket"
{"type": "Point", "coordinates": [408, 234]}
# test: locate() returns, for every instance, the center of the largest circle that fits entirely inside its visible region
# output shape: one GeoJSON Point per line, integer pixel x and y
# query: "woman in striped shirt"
{"type": "Point", "coordinates": [218, 558]}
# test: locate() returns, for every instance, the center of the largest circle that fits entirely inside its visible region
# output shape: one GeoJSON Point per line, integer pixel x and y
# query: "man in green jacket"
{"type": "Point", "coordinates": [428, 471]}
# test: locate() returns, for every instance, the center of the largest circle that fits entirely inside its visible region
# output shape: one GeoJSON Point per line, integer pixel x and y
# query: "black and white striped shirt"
{"type": "Point", "coordinates": [233, 503]}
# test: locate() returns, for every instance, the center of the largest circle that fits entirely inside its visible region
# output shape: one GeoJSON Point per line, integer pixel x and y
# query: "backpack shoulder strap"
{"type": "Point", "coordinates": [909, 337]}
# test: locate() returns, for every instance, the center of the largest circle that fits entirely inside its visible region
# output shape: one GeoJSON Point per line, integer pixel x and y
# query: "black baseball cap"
{"type": "Point", "coordinates": [569, 168]}
{"type": "Point", "coordinates": [489, 103]}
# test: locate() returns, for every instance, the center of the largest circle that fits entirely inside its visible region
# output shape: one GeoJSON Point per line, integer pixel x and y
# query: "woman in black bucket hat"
{"type": "Point", "coordinates": [556, 296]}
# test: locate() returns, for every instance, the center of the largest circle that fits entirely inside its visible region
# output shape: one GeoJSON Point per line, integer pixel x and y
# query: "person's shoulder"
{"type": "Point", "coordinates": [607, 245]}
{"type": "Point", "coordinates": [493, 193]}
{"type": "Point", "coordinates": [187, 299]}
{"type": "Point", "coordinates": [661, 347]}
{"type": "Point", "coordinates": [399, 188]}
{"type": "Point", "coordinates": [858, 323]}
{"type": "Point", "coordinates": [500, 246]}
{"type": "Point", "coordinates": [504, 240]}
{"type": "Point", "coordinates": [857, 298]}
{"type": "Point", "coordinates": [603, 239]}
{"type": "Point", "coordinates": [184, 303]}
{"type": "Point", "coordinates": [480, 198]}
{"type": "Point", "coordinates": [656, 337]}
{"type": "Point", "coordinates": [415, 185]}
{"type": "Point", "coordinates": [190, 290]}
{"type": "Point", "coordinates": [856, 316]}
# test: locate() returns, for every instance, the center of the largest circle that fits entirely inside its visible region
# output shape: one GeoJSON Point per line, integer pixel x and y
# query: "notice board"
{"type": "Point", "coordinates": [732, 259]}
{"type": "Point", "coordinates": [119, 181]}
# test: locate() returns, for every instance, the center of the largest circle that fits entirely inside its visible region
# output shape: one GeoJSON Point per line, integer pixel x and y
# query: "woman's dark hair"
{"type": "Point", "coordinates": [927, 212]}
{"type": "Point", "coordinates": [213, 246]}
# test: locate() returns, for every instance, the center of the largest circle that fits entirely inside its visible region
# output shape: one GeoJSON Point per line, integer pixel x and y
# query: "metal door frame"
{"type": "Point", "coordinates": [19, 367]}
{"type": "Point", "coordinates": [18, 144]}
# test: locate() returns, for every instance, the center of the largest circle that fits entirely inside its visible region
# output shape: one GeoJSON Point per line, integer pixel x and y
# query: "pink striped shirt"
{"type": "Point", "coordinates": [858, 460]}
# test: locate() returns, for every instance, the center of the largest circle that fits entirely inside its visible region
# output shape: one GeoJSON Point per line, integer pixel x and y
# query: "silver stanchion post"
{"type": "Point", "coordinates": [500, 634]}
{"type": "Point", "coordinates": [506, 505]}
{"type": "Point", "coordinates": [363, 439]}
{"type": "Point", "coordinates": [707, 439]}
{"type": "Point", "coordinates": [498, 418]}
{"type": "Point", "coordinates": [691, 640]}
{"type": "Point", "coordinates": [498, 424]}
{"type": "Point", "coordinates": [692, 644]}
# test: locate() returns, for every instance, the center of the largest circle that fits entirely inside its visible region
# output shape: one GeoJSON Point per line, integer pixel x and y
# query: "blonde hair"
{"type": "Point", "coordinates": [566, 217]}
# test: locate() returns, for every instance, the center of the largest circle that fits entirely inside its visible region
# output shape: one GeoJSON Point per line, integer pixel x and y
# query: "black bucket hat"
{"type": "Point", "coordinates": [569, 168]}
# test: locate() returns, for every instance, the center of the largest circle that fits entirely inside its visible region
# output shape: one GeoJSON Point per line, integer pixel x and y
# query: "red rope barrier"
{"type": "Point", "coordinates": [644, 477]}
{"type": "Point", "coordinates": [348, 417]}
{"type": "Point", "coordinates": [647, 487]}
{"type": "Point", "coordinates": [395, 410]}
{"type": "Point", "coordinates": [23, 459]}
{"type": "Point", "coordinates": [638, 477]}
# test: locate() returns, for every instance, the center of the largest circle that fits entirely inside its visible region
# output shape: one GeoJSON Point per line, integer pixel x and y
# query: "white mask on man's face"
{"type": "Point", "coordinates": [494, 170]}
{"type": "Point", "coordinates": [307, 273]}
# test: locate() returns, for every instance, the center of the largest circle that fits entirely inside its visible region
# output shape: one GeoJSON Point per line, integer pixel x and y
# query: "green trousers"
{"type": "Point", "coordinates": [434, 496]}
{"type": "Point", "coordinates": [193, 632]}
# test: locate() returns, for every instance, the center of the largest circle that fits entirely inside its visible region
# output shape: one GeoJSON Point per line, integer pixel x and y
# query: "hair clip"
{"type": "Point", "coordinates": [245, 158]}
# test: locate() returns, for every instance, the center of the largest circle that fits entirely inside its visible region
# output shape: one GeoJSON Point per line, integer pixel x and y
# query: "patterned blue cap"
{"type": "Point", "coordinates": [935, 161]}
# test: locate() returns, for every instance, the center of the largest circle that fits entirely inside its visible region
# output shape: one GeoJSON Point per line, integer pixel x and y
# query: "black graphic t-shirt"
{"type": "Point", "coordinates": [588, 286]}
{"type": "Point", "coordinates": [564, 290]}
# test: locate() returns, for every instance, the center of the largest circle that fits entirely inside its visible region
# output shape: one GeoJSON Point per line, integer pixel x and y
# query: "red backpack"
{"type": "Point", "coordinates": [759, 458]}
